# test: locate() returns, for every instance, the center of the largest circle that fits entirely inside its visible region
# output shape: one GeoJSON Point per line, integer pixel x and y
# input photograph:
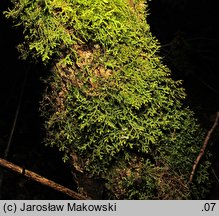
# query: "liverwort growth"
{"type": "Point", "coordinates": [111, 105]}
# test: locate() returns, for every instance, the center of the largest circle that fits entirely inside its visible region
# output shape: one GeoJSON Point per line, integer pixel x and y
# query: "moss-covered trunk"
{"type": "Point", "coordinates": [111, 105]}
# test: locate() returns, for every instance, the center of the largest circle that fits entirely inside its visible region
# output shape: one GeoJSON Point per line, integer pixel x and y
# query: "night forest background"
{"type": "Point", "coordinates": [189, 37]}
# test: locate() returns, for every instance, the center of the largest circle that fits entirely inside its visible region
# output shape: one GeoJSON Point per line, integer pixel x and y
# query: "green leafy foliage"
{"type": "Point", "coordinates": [111, 105]}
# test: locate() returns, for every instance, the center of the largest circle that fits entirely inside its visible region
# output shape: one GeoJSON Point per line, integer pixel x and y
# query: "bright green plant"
{"type": "Point", "coordinates": [111, 105]}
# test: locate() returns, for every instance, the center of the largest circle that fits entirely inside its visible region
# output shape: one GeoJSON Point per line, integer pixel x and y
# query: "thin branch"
{"type": "Point", "coordinates": [16, 114]}
{"type": "Point", "coordinates": [191, 39]}
{"type": "Point", "coordinates": [41, 180]}
{"type": "Point", "coordinates": [215, 175]}
{"type": "Point", "coordinates": [204, 147]}
{"type": "Point", "coordinates": [7, 149]}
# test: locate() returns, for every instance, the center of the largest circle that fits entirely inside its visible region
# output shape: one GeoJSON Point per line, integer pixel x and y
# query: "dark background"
{"type": "Point", "coordinates": [189, 37]}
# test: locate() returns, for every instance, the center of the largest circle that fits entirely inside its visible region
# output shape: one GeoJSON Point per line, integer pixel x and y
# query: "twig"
{"type": "Point", "coordinates": [7, 149]}
{"type": "Point", "coordinates": [215, 175]}
{"type": "Point", "coordinates": [41, 179]}
{"type": "Point", "coordinates": [16, 114]}
{"type": "Point", "coordinates": [204, 147]}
